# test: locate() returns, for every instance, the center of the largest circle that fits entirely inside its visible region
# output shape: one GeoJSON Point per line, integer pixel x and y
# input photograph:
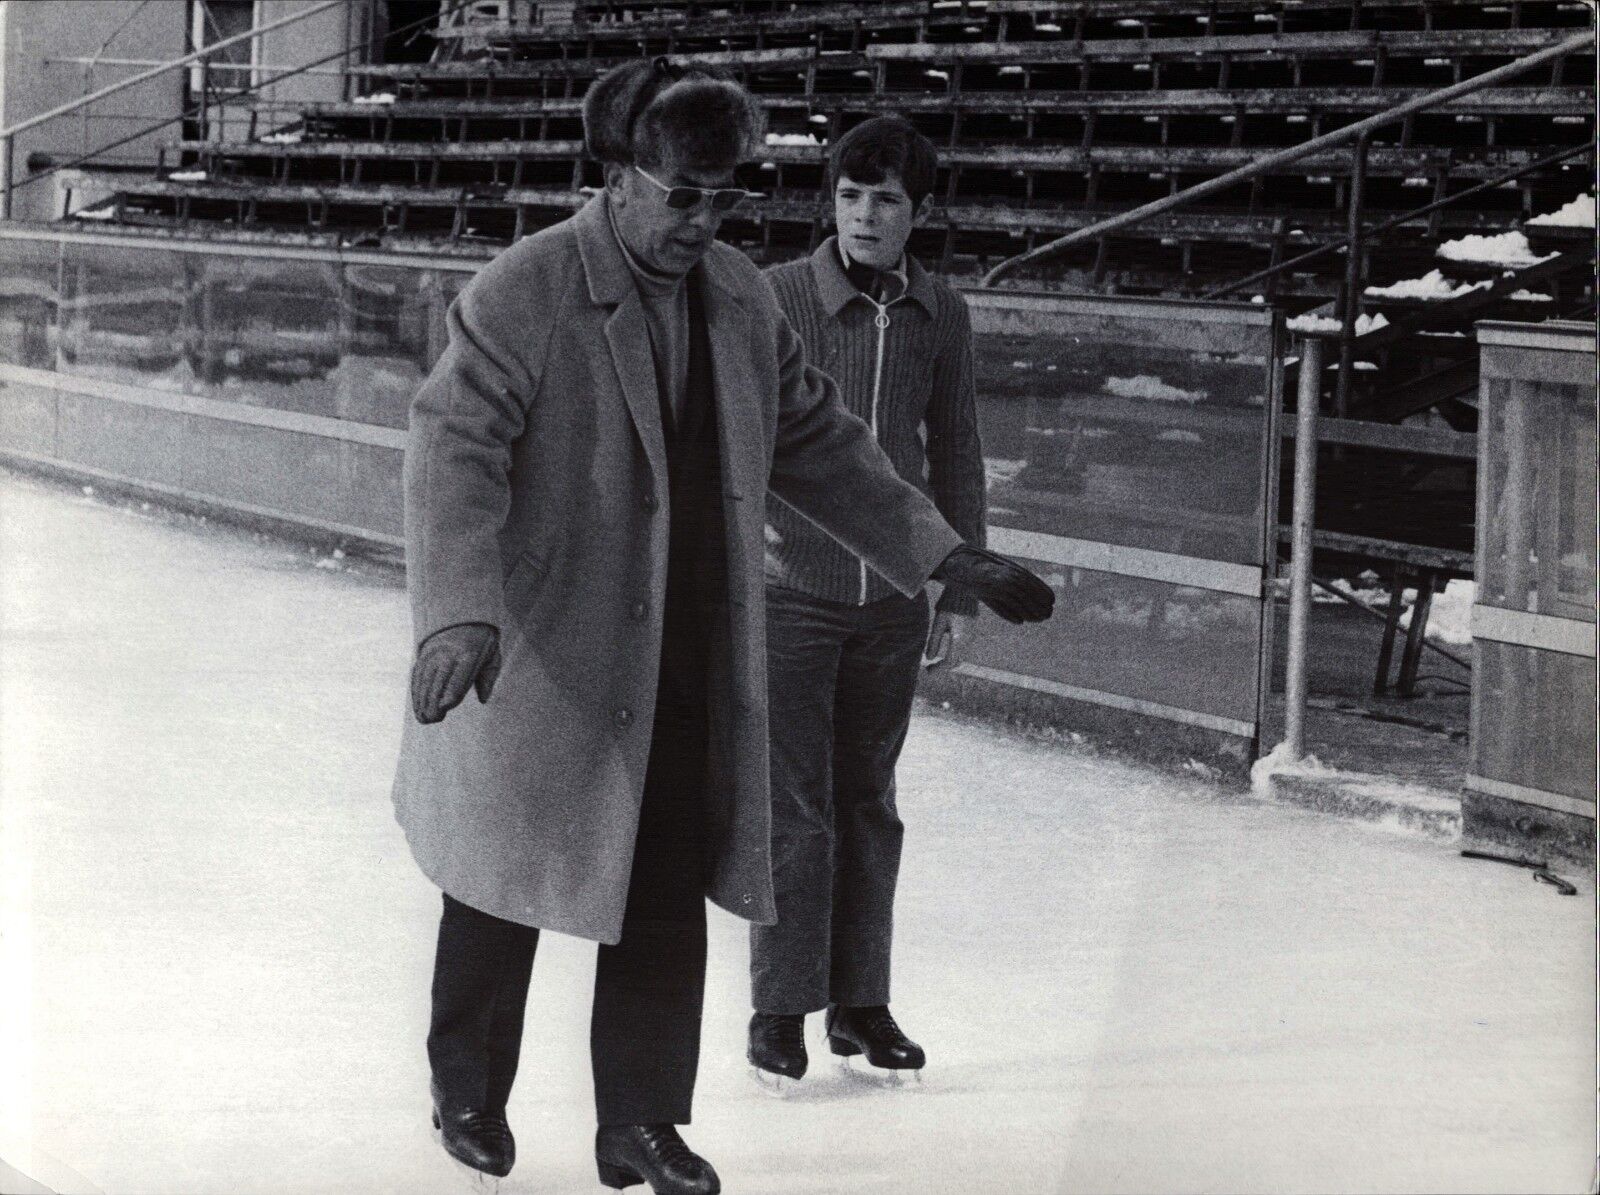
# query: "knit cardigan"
{"type": "Point", "coordinates": [902, 368]}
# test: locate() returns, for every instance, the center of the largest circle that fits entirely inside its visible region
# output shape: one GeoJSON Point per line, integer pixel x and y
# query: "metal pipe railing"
{"type": "Point", "coordinates": [1383, 226]}
{"type": "Point", "coordinates": [8, 135]}
{"type": "Point", "coordinates": [1292, 154]}
{"type": "Point", "coordinates": [1305, 509]}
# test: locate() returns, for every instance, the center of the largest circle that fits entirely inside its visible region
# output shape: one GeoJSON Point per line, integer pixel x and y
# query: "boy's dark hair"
{"type": "Point", "coordinates": [641, 112]}
{"type": "Point", "coordinates": [873, 148]}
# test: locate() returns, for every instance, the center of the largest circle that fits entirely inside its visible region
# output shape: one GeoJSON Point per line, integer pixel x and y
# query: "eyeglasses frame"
{"type": "Point", "coordinates": [704, 194]}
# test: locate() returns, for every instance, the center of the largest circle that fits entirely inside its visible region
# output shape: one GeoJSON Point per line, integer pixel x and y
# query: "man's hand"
{"type": "Point", "coordinates": [945, 637]}
{"type": "Point", "coordinates": [450, 662]}
{"type": "Point", "coordinates": [1008, 589]}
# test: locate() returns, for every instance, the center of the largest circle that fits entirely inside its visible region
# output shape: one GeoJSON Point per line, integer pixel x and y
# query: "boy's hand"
{"type": "Point", "coordinates": [1010, 590]}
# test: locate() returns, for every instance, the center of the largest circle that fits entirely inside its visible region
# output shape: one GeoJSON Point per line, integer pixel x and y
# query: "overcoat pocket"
{"type": "Point", "coordinates": [522, 583]}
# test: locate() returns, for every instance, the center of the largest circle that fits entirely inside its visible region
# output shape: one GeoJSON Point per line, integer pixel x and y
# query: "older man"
{"type": "Point", "coordinates": [585, 487]}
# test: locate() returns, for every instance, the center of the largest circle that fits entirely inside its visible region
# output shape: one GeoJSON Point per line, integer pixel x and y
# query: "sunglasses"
{"type": "Point", "coordinates": [683, 199]}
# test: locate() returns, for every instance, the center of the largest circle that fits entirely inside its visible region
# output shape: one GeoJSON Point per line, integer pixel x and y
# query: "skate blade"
{"type": "Point", "coordinates": [475, 1180]}
{"type": "Point", "coordinates": [878, 1077]}
{"type": "Point", "coordinates": [777, 1086]}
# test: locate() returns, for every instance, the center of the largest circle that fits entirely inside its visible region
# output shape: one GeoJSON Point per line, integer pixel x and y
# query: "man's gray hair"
{"type": "Point", "coordinates": [640, 112]}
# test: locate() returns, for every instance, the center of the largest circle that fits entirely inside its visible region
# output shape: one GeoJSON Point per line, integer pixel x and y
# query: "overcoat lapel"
{"type": "Point", "coordinates": [630, 352]}
{"type": "Point", "coordinates": [611, 283]}
{"type": "Point", "coordinates": [740, 432]}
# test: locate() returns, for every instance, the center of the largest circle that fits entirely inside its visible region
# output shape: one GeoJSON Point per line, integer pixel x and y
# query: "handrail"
{"type": "Point", "coordinates": [1426, 209]}
{"type": "Point", "coordinates": [1294, 153]}
{"type": "Point", "coordinates": [8, 135]}
{"type": "Point", "coordinates": [7, 142]}
{"type": "Point", "coordinates": [215, 66]}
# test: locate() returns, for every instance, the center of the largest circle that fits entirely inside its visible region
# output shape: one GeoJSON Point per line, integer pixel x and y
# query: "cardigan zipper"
{"type": "Point", "coordinates": [881, 319]}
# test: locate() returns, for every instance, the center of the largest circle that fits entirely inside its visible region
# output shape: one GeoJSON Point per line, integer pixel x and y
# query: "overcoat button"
{"type": "Point", "coordinates": [746, 898]}
{"type": "Point", "coordinates": [623, 718]}
{"type": "Point", "coordinates": [649, 501]}
{"type": "Point", "coordinates": [639, 611]}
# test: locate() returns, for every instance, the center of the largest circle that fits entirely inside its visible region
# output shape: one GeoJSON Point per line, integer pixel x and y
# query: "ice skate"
{"type": "Point", "coordinates": [872, 1033]}
{"type": "Point", "coordinates": [478, 1141]}
{"type": "Point", "coordinates": [777, 1050]}
{"type": "Point", "coordinates": [627, 1155]}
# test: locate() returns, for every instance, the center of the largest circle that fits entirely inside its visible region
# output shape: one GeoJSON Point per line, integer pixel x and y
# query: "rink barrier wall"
{"type": "Point", "coordinates": [1531, 776]}
{"type": "Point", "coordinates": [1130, 446]}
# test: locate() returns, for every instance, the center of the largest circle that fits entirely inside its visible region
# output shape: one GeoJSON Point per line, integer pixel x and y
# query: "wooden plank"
{"type": "Point", "coordinates": [1509, 43]}
{"type": "Point", "coordinates": [1392, 437]}
{"type": "Point", "coordinates": [1386, 160]}
{"type": "Point", "coordinates": [822, 16]}
{"type": "Point", "coordinates": [1458, 563]}
{"type": "Point", "coordinates": [1495, 101]}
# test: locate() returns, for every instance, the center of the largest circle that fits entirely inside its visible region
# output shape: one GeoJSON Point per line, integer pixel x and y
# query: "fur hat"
{"type": "Point", "coordinates": [642, 111]}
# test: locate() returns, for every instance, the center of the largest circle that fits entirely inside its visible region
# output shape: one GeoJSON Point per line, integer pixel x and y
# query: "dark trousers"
{"type": "Point", "coordinates": [840, 681]}
{"type": "Point", "coordinates": [644, 1031]}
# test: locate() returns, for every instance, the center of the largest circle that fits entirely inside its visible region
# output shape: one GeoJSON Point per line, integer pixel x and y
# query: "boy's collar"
{"type": "Point", "coordinates": [836, 290]}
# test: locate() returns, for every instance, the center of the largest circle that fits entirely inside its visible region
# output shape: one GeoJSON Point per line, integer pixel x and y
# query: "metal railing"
{"type": "Point", "coordinates": [1308, 398]}
{"type": "Point", "coordinates": [1357, 133]}
{"type": "Point", "coordinates": [8, 182]}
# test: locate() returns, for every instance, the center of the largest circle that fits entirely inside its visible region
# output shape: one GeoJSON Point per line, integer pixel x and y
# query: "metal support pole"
{"type": "Point", "coordinates": [5, 175]}
{"type": "Point", "coordinates": [1354, 252]}
{"type": "Point", "coordinates": [1305, 504]}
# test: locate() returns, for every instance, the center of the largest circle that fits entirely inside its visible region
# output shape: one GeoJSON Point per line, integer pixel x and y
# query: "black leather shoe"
{"type": "Point", "coordinates": [476, 1137]}
{"type": "Point", "coordinates": [778, 1044]}
{"type": "Point", "coordinates": [872, 1031]}
{"type": "Point", "coordinates": [627, 1154]}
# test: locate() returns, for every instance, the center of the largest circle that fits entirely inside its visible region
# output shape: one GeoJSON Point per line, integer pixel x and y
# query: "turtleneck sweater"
{"type": "Point", "coordinates": [665, 299]}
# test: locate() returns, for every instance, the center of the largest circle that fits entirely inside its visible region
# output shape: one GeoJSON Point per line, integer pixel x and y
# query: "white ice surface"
{"type": "Point", "coordinates": [217, 948]}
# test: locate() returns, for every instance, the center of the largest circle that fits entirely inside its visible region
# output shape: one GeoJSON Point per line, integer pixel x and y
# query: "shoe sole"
{"type": "Point", "coordinates": [845, 1048]}
{"type": "Point", "coordinates": [616, 1177]}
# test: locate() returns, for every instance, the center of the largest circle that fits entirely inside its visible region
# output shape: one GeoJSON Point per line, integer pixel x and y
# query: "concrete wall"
{"type": "Point", "coordinates": [33, 33]}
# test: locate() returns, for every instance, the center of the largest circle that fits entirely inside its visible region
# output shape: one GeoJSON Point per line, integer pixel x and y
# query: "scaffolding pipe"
{"type": "Point", "coordinates": [1305, 508]}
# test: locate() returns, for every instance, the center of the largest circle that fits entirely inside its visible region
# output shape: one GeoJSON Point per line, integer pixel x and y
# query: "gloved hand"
{"type": "Point", "coordinates": [1008, 589]}
{"type": "Point", "coordinates": [449, 662]}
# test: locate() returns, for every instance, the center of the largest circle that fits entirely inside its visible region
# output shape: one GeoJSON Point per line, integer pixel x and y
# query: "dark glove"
{"type": "Point", "coordinates": [449, 662]}
{"type": "Point", "coordinates": [1008, 589]}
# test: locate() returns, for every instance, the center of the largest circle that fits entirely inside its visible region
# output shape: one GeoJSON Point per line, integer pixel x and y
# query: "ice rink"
{"type": "Point", "coordinates": [217, 948]}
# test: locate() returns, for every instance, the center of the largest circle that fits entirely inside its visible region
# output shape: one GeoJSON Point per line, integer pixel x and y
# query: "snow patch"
{"type": "Point", "coordinates": [292, 137]}
{"type": "Point", "coordinates": [1528, 296]}
{"type": "Point", "coordinates": [1577, 214]}
{"type": "Point", "coordinates": [104, 213]}
{"type": "Point", "coordinates": [1145, 386]}
{"type": "Point", "coordinates": [187, 176]}
{"type": "Point", "coordinates": [1432, 286]}
{"type": "Point", "coordinates": [1501, 249]}
{"type": "Point", "coordinates": [379, 97]}
{"type": "Point", "coordinates": [791, 139]}
{"type": "Point", "coordinates": [1309, 323]}
{"type": "Point", "coordinates": [1278, 762]}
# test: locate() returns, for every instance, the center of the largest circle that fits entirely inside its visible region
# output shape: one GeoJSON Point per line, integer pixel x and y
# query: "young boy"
{"type": "Point", "coordinates": [843, 647]}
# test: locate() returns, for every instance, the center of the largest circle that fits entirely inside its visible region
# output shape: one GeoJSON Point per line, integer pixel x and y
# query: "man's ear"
{"type": "Point", "coordinates": [924, 210]}
{"type": "Point", "coordinates": [615, 176]}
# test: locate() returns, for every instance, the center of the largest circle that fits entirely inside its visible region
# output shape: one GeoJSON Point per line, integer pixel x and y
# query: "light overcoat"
{"type": "Point", "coordinates": [536, 501]}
